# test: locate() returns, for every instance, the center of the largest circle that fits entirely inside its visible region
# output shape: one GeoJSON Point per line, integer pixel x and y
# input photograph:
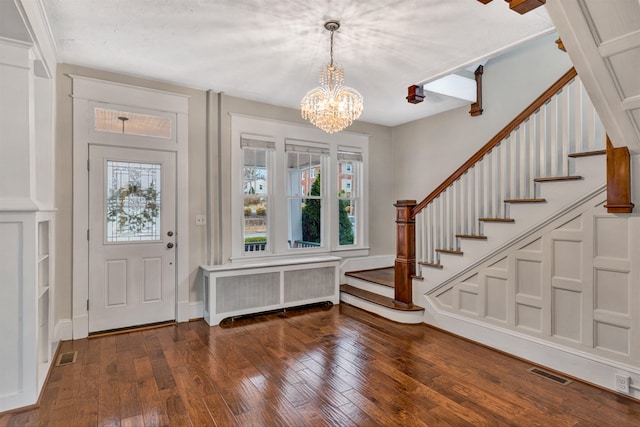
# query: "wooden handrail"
{"type": "Point", "coordinates": [520, 118]}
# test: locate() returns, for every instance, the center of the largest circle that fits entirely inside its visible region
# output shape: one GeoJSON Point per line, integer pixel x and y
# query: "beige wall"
{"type": "Point", "coordinates": [427, 151]}
{"type": "Point", "coordinates": [381, 185]}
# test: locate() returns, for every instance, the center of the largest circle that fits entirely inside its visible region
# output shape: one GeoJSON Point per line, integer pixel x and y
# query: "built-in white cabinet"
{"type": "Point", "coordinates": [27, 218]}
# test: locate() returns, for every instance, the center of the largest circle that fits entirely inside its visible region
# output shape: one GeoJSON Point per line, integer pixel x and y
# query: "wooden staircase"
{"type": "Point", "coordinates": [372, 290]}
{"type": "Point", "coordinates": [548, 159]}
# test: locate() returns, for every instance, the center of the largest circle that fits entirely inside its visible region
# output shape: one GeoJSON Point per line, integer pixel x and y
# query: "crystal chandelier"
{"type": "Point", "coordinates": [331, 106]}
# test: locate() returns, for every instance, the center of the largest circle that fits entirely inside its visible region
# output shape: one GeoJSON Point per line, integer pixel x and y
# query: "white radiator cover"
{"type": "Point", "coordinates": [238, 289]}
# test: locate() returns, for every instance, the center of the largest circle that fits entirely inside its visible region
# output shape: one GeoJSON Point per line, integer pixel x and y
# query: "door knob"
{"type": "Point", "coordinates": [170, 233]}
{"type": "Point", "coordinates": [169, 245]}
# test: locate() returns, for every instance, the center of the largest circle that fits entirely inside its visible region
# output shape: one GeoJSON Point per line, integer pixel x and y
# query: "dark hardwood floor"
{"type": "Point", "coordinates": [322, 366]}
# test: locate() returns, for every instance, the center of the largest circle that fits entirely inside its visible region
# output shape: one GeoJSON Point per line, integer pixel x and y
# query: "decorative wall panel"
{"type": "Point", "coordinates": [571, 283]}
{"type": "Point", "coordinates": [11, 288]}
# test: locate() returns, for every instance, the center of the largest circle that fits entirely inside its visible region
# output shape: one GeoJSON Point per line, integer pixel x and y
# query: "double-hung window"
{"type": "Point", "coordinates": [349, 172]}
{"type": "Point", "coordinates": [256, 193]}
{"type": "Point", "coordinates": [306, 199]}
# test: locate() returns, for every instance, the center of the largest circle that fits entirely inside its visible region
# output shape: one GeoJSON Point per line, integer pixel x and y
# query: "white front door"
{"type": "Point", "coordinates": [132, 220]}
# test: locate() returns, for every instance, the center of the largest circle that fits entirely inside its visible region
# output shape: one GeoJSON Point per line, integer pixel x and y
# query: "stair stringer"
{"type": "Point", "coordinates": [461, 304]}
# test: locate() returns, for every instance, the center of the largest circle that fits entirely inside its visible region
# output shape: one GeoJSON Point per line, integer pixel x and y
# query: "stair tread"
{"type": "Point", "coordinates": [471, 236]}
{"type": "Point", "coordinates": [525, 200]}
{"type": "Point", "coordinates": [378, 299]}
{"type": "Point", "coordinates": [558, 178]}
{"type": "Point", "coordinates": [449, 251]}
{"type": "Point", "coordinates": [497, 219]}
{"type": "Point", "coordinates": [588, 153]}
{"type": "Point", "coordinates": [382, 276]}
{"type": "Point", "coordinates": [431, 264]}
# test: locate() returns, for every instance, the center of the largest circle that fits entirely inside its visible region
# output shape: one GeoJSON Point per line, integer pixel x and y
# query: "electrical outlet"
{"type": "Point", "coordinates": [622, 383]}
{"type": "Point", "coordinates": [201, 220]}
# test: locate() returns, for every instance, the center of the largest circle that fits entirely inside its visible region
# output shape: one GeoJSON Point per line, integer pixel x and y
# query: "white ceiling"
{"type": "Point", "coordinates": [271, 50]}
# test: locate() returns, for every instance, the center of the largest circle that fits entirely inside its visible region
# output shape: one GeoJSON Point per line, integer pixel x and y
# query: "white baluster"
{"type": "Point", "coordinates": [455, 188]}
{"type": "Point", "coordinates": [432, 232]}
{"type": "Point", "coordinates": [563, 132]}
{"type": "Point", "coordinates": [480, 189]}
{"type": "Point", "coordinates": [552, 135]}
{"type": "Point", "coordinates": [534, 144]}
{"type": "Point", "coordinates": [520, 161]}
{"type": "Point", "coordinates": [516, 158]}
{"type": "Point", "coordinates": [496, 195]}
{"type": "Point", "coordinates": [472, 220]}
{"type": "Point", "coordinates": [545, 158]}
{"type": "Point", "coordinates": [464, 203]}
{"type": "Point", "coordinates": [486, 160]}
{"type": "Point", "coordinates": [505, 178]}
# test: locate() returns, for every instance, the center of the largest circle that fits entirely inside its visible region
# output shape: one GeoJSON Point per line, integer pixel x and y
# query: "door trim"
{"type": "Point", "coordinates": [86, 92]}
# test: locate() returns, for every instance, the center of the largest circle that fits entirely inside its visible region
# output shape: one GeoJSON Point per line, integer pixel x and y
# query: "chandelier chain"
{"type": "Point", "coordinates": [331, 49]}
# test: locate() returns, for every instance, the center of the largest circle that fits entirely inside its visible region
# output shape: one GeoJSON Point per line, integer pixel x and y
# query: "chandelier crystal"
{"type": "Point", "coordinates": [332, 106]}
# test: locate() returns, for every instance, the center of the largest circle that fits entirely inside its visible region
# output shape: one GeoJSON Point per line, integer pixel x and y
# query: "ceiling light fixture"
{"type": "Point", "coordinates": [332, 106]}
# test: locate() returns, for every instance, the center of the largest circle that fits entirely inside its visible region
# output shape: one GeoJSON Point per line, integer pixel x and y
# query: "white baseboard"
{"type": "Point", "coordinates": [183, 314]}
{"type": "Point", "coordinates": [80, 326]}
{"type": "Point", "coordinates": [587, 367]}
{"type": "Point", "coordinates": [196, 309]}
{"type": "Point", "coordinates": [63, 330]}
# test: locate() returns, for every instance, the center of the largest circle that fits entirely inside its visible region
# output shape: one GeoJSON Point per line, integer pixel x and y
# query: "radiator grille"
{"type": "Point", "coordinates": [249, 291]}
{"type": "Point", "coordinates": [300, 285]}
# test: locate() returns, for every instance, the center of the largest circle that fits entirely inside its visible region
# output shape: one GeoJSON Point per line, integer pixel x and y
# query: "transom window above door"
{"type": "Point", "coordinates": [132, 123]}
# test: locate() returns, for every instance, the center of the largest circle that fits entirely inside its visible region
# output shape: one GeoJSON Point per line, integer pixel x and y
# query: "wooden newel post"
{"type": "Point", "coordinates": [618, 179]}
{"type": "Point", "coordinates": [405, 265]}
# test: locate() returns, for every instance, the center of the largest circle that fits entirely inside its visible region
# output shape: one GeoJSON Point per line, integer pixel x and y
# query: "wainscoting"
{"type": "Point", "coordinates": [570, 285]}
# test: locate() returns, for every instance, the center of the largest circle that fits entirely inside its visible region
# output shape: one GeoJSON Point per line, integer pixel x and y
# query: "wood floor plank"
{"type": "Point", "coordinates": [176, 409]}
{"type": "Point", "coordinates": [219, 411]}
{"type": "Point", "coordinates": [316, 367]}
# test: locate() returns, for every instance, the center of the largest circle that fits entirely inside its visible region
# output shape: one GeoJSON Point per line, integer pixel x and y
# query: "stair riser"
{"type": "Point", "coordinates": [370, 286]}
{"type": "Point", "coordinates": [409, 317]}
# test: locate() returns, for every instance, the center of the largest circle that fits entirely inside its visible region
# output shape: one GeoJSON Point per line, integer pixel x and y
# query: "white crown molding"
{"type": "Point", "coordinates": [39, 29]}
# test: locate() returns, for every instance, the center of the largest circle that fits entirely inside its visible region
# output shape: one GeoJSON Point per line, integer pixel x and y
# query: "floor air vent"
{"type": "Point", "coordinates": [67, 358]}
{"type": "Point", "coordinates": [548, 375]}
